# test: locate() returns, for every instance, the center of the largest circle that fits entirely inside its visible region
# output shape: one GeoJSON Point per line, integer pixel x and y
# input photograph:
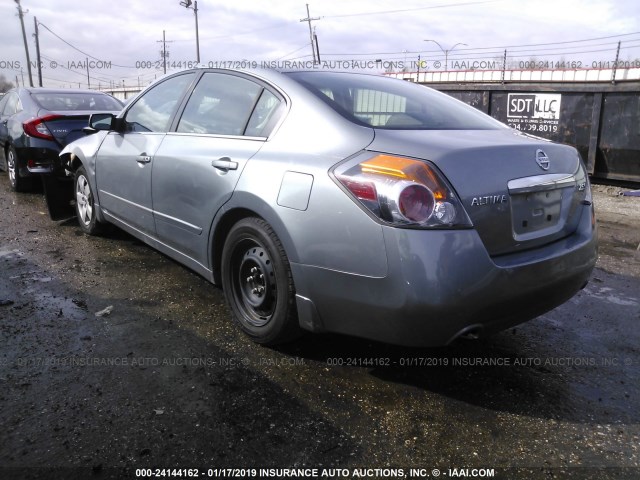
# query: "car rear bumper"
{"type": "Point", "coordinates": [443, 284]}
{"type": "Point", "coordinates": [38, 158]}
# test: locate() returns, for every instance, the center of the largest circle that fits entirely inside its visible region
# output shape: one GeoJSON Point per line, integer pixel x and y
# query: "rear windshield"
{"type": "Point", "coordinates": [76, 101]}
{"type": "Point", "coordinates": [392, 104]}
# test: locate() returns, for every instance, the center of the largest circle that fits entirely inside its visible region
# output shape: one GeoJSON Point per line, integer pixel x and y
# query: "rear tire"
{"type": "Point", "coordinates": [257, 282]}
{"type": "Point", "coordinates": [18, 183]}
{"type": "Point", "coordinates": [85, 209]}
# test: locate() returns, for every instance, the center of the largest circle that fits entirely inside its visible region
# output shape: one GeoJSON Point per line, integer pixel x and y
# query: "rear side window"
{"type": "Point", "coordinates": [153, 111]}
{"type": "Point", "coordinates": [13, 105]}
{"type": "Point", "coordinates": [220, 104]}
{"type": "Point", "coordinates": [264, 115]}
{"type": "Point", "coordinates": [64, 102]}
{"type": "Point", "coordinates": [3, 102]}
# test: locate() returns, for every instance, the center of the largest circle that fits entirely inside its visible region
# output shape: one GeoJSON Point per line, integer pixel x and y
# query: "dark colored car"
{"type": "Point", "coordinates": [36, 123]}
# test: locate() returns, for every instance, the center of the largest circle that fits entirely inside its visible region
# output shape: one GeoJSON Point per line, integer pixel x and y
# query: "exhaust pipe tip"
{"type": "Point", "coordinates": [471, 332]}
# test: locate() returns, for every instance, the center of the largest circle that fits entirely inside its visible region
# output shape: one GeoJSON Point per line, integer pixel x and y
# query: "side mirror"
{"type": "Point", "coordinates": [102, 121]}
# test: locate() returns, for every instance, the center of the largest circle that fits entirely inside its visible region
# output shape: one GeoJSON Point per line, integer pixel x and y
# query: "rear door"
{"type": "Point", "coordinates": [4, 132]}
{"type": "Point", "coordinates": [125, 160]}
{"type": "Point", "coordinates": [224, 123]}
{"type": "Point", "coordinates": [9, 106]}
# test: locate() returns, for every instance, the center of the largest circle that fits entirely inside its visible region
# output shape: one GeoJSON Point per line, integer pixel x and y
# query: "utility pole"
{"type": "Point", "coordinates": [309, 20]}
{"type": "Point", "coordinates": [615, 65]}
{"type": "Point", "coordinates": [24, 38]}
{"type": "Point", "coordinates": [315, 39]}
{"type": "Point", "coordinates": [195, 11]}
{"type": "Point", "coordinates": [187, 4]}
{"type": "Point", "coordinates": [88, 81]}
{"type": "Point", "coordinates": [504, 65]}
{"type": "Point", "coordinates": [35, 23]}
{"type": "Point", "coordinates": [163, 53]}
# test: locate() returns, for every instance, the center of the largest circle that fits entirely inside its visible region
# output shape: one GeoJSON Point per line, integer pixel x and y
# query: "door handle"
{"type": "Point", "coordinates": [224, 164]}
{"type": "Point", "coordinates": [143, 159]}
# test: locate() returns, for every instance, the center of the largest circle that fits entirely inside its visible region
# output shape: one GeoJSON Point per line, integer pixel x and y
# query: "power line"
{"type": "Point", "coordinates": [63, 40]}
{"type": "Point", "coordinates": [387, 12]}
{"type": "Point", "coordinates": [288, 23]}
{"type": "Point", "coordinates": [558, 43]}
{"type": "Point", "coordinates": [501, 48]}
{"type": "Point", "coordinates": [291, 53]}
{"type": "Point", "coordinates": [569, 47]}
{"type": "Point", "coordinates": [62, 66]}
{"type": "Point", "coordinates": [77, 49]}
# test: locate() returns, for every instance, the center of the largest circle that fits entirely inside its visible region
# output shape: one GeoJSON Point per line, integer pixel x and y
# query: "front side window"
{"type": "Point", "coordinates": [220, 104]}
{"type": "Point", "coordinates": [153, 111]}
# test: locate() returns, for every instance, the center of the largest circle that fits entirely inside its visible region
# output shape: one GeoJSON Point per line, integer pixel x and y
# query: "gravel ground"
{"type": "Point", "coordinates": [619, 227]}
{"type": "Point", "coordinates": [163, 379]}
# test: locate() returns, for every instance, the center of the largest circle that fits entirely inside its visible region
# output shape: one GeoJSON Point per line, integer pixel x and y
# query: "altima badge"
{"type": "Point", "coordinates": [542, 159]}
{"type": "Point", "coordinates": [488, 200]}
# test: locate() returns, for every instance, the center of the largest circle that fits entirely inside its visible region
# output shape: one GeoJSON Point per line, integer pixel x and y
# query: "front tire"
{"type": "Point", "coordinates": [85, 209]}
{"type": "Point", "coordinates": [257, 281]}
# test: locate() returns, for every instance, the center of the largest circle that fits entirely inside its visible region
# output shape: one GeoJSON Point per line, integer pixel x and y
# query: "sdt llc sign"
{"type": "Point", "coordinates": [534, 105]}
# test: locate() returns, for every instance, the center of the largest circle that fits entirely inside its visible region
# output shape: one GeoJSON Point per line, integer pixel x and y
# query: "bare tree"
{"type": "Point", "coordinates": [5, 85]}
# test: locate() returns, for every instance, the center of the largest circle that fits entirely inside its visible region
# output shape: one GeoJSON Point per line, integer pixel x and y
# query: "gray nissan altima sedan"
{"type": "Point", "coordinates": [342, 202]}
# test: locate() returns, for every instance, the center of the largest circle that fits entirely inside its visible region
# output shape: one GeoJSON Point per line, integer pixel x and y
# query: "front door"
{"type": "Point", "coordinates": [125, 160]}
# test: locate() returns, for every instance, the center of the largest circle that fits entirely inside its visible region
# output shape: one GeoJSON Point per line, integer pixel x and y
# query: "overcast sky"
{"type": "Point", "coordinates": [127, 34]}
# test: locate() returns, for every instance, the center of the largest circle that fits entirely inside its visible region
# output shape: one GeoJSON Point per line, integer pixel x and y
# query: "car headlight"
{"type": "Point", "coordinates": [402, 191]}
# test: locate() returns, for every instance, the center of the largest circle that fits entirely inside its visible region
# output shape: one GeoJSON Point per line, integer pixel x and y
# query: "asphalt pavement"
{"type": "Point", "coordinates": [116, 361]}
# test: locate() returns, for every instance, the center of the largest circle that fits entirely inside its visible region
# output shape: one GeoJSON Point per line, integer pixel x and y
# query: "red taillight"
{"type": "Point", "coordinates": [37, 128]}
{"type": "Point", "coordinates": [362, 190]}
{"type": "Point", "coordinates": [402, 191]}
{"type": "Point", "coordinates": [416, 203]}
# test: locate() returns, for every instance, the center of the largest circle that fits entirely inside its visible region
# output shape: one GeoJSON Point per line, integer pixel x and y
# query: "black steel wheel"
{"type": "Point", "coordinates": [257, 282]}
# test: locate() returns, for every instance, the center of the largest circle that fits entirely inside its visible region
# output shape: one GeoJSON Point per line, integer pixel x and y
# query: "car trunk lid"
{"type": "Point", "coordinates": [66, 126]}
{"type": "Point", "coordinates": [520, 192]}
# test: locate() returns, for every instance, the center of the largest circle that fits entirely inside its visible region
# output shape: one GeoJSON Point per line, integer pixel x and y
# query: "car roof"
{"type": "Point", "coordinates": [60, 90]}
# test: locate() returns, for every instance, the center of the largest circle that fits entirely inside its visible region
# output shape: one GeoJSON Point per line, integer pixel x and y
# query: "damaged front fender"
{"type": "Point", "coordinates": [82, 152]}
{"type": "Point", "coordinates": [58, 191]}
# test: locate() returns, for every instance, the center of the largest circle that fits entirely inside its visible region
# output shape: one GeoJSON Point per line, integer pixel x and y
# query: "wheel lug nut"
{"type": "Point", "coordinates": [254, 291]}
{"type": "Point", "coordinates": [254, 269]}
{"type": "Point", "coordinates": [249, 279]}
{"type": "Point", "coordinates": [261, 277]}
